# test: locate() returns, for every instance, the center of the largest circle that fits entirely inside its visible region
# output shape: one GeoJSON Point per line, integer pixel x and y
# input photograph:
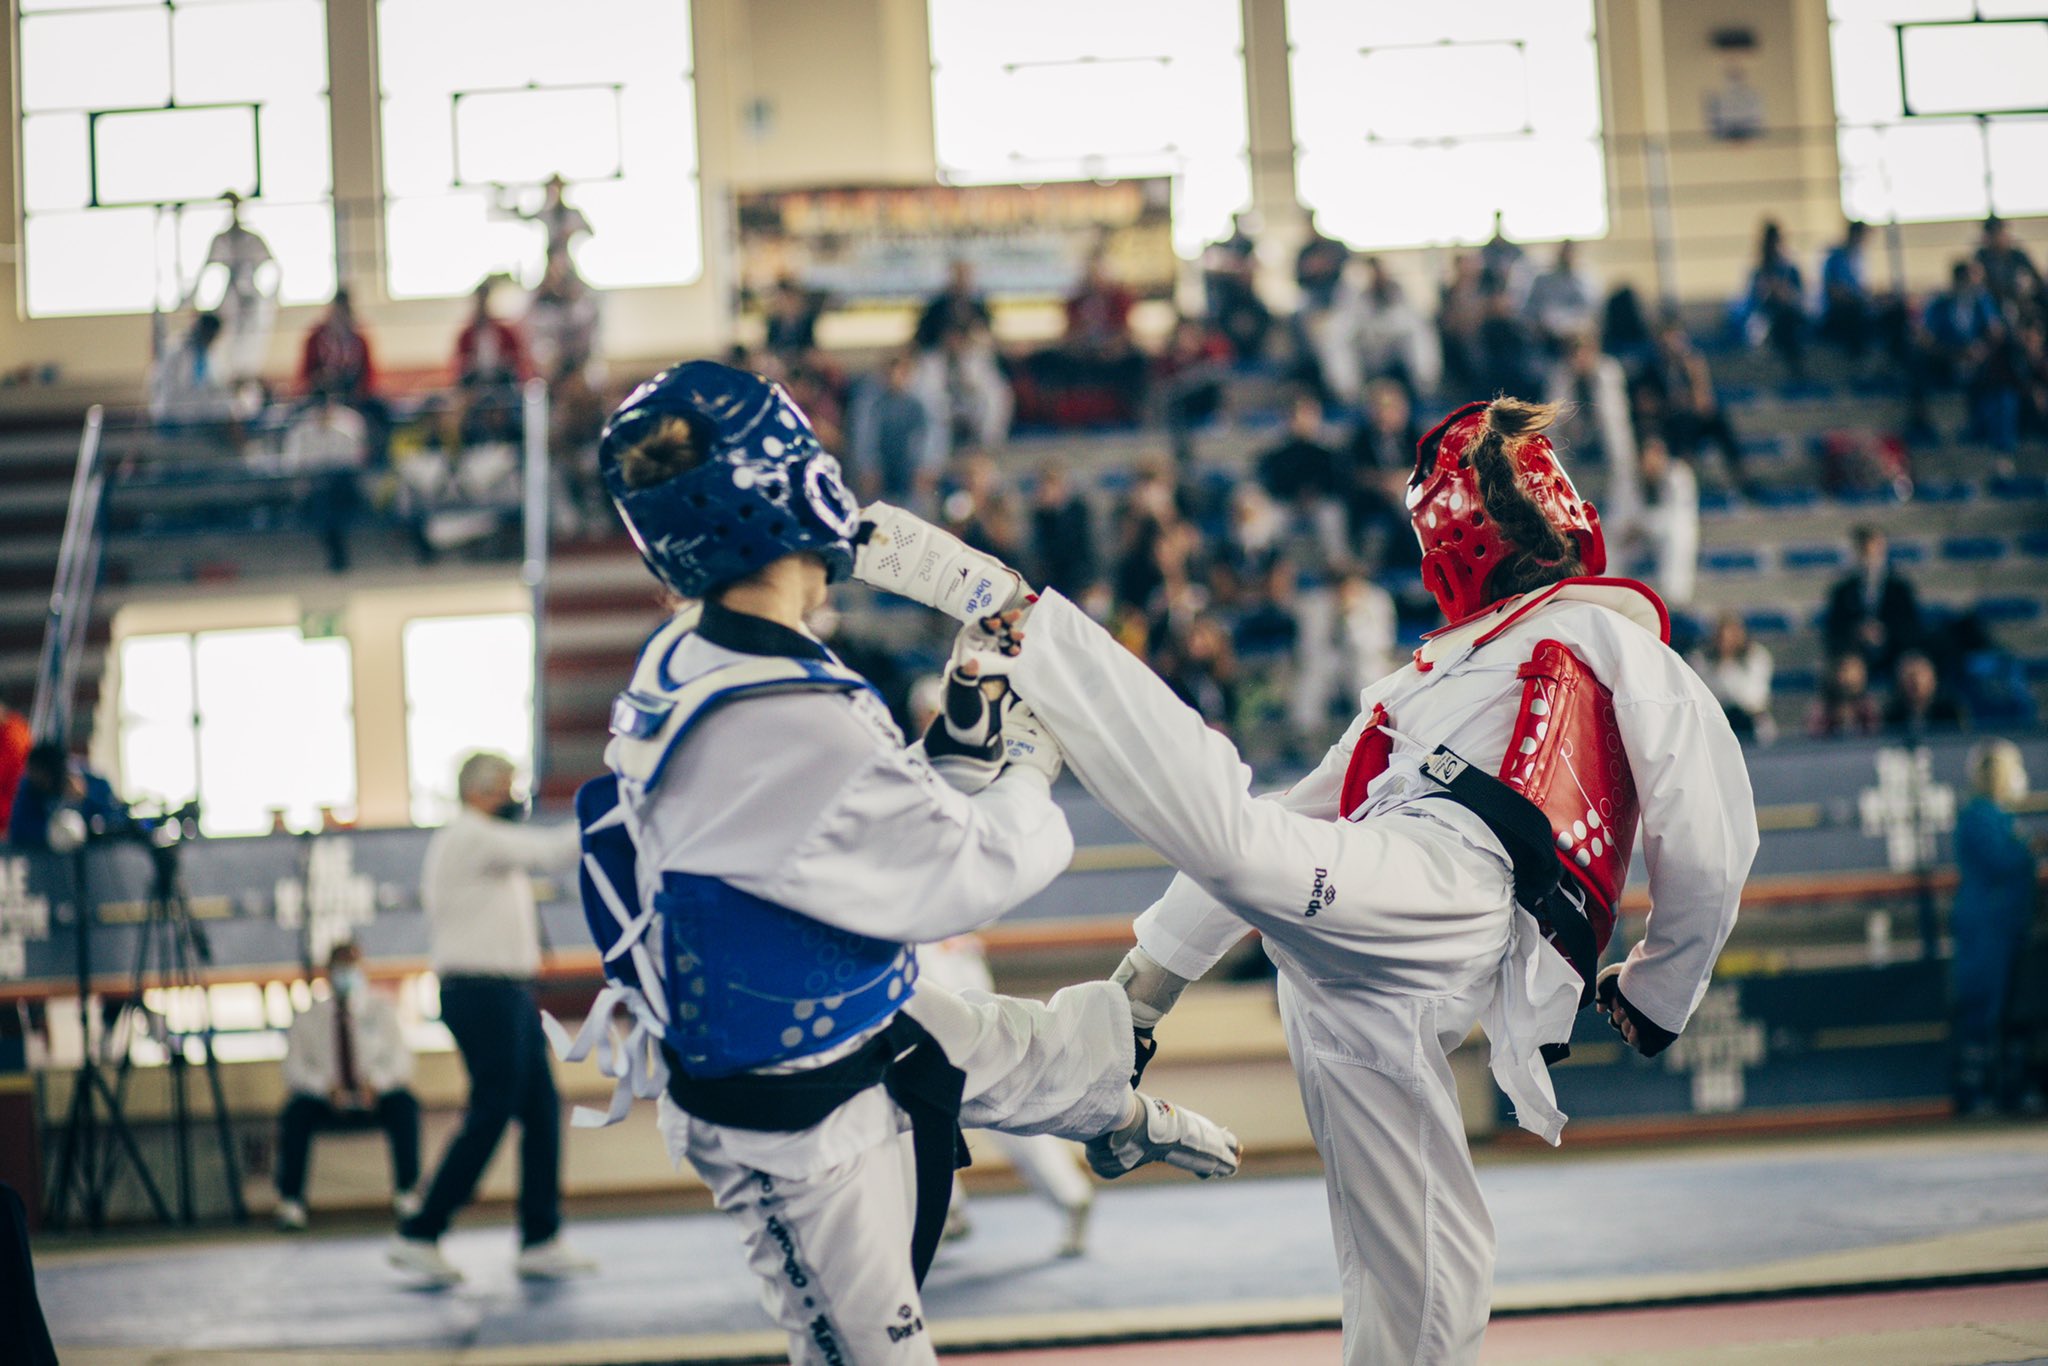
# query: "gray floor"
{"type": "Point", "coordinates": [1592, 1217]}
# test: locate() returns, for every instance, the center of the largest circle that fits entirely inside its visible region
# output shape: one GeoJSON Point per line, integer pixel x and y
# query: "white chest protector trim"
{"type": "Point", "coordinates": [657, 711]}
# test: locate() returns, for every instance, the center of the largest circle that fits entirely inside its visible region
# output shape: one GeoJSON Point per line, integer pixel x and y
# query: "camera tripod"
{"type": "Point", "coordinates": [169, 950]}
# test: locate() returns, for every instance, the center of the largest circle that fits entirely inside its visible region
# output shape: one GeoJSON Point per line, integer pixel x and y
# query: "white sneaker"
{"type": "Point", "coordinates": [422, 1258]}
{"type": "Point", "coordinates": [1075, 1243]}
{"type": "Point", "coordinates": [552, 1261]}
{"type": "Point", "coordinates": [406, 1204]}
{"type": "Point", "coordinates": [1165, 1133]}
{"type": "Point", "coordinates": [291, 1215]}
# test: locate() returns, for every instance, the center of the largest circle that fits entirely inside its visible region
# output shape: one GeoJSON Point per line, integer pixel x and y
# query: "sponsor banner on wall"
{"type": "Point", "coordinates": [886, 246]}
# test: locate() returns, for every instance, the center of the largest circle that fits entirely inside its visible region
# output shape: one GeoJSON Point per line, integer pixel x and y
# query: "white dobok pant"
{"type": "Point", "coordinates": [826, 1214]}
{"type": "Point", "coordinates": [1377, 984]}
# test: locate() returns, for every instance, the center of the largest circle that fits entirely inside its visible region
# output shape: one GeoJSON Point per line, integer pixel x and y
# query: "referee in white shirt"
{"type": "Point", "coordinates": [486, 950]}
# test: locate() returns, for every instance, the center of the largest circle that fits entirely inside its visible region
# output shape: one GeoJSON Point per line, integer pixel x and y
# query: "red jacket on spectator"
{"type": "Point", "coordinates": [337, 360]}
{"type": "Point", "coordinates": [15, 743]}
{"type": "Point", "coordinates": [488, 350]}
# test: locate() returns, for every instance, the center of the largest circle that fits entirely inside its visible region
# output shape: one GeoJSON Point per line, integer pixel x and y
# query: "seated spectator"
{"type": "Point", "coordinates": [1668, 522]}
{"type": "Point", "coordinates": [1873, 612]}
{"type": "Point", "coordinates": [1097, 354]}
{"type": "Point", "coordinates": [54, 781]}
{"type": "Point", "coordinates": [792, 320]}
{"type": "Point", "coordinates": [1385, 439]}
{"type": "Point", "coordinates": [336, 357]}
{"type": "Point", "coordinates": [1303, 465]}
{"type": "Point", "coordinates": [1845, 705]}
{"type": "Point", "coordinates": [1461, 311]}
{"type": "Point", "coordinates": [1737, 670]}
{"type": "Point", "coordinates": [1375, 334]}
{"type": "Point", "coordinates": [1201, 668]}
{"type": "Point", "coordinates": [188, 388]}
{"type": "Point", "coordinates": [1625, 332]}
{"type": "Point", "coordinates": [1595, 425]}
{"type": "Point", "coordinates": [1997, 384]}
{"type": "Point", "coordinates": [1680, 394]}
{"type": "Point", "coordinates": [1955, 323]}
{"type": "Point", "coordinates": [1918, 703]}
{"type": "Point", "coordinates": [1846, 320]}
{"type": "Point", "coordinates": [2009, 273]}
{"type": "Point", "coordinates": [346, 1066]}
{"type": "Point", "coordinates": [887, 433]}
{"type": "Point", "coordinates": [1366, 628]}
{"type": "Point", "coordinates": [1188, 377]}
{"type": "Point", "coordinates": [490, 364]}
{"type": "Point", "coordinates": [1319, 268]}
{"type": "Point", "coordinates": [1062, 532]}
{"type": "Point", "coordinates": [980, 510]}
{"type": "Point", "coordinates": [959, 378]}
{"type": "Point", "coordinates": [1773, 310]}
{"type": "Point", "coordinates": [1507, 358]}
{"type": "Point", "coordinates": [330, 442]}
{"type": "Point", "coordinates": [1230, 289]}
{"type": "Point", "coordinates": [1991, 918]}
{"type": "Point", "coordinates": [1561, 300]}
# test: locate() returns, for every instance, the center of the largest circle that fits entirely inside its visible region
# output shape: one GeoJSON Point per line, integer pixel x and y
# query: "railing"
{"type": "Point", "coordinates": [71, 594]}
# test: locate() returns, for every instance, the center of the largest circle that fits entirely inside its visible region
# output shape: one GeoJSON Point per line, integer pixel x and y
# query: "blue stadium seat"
{"type": "Point", "coordinates": [1716, 501]}
{"type": "Point", "coordinates": [2008, 608]}
{"type": "Point", "coordinates": [1794, 682]}
{"type": "Point", "coordinates": [2034, 543]}
{"type": "Point", "coordinates": [1731, 561]}
{"type": "Point", "coordinates": [1813, 556]}
{"type": "Point", "coordinates": [1907, 552]}
{"type": "Point", "coordinates": [1803, 389]}
{"type": "Point", "coordinates": [1785, 498]}
{"type": "Point", "coordinates": [1732, 394]}
{"type": "Point", "coordinates": [1767, 621]}
{"type": "Point", "coordinates": [1973, 549]}
{"type": "Point", "coordinates": [1944, 491]}
{"type": "Point", "coordinates": [2019, 486]}
{"type": "Point", "coordinates": [2037, 669]}
{"type": "Point", "coordinates": [1769, 447]}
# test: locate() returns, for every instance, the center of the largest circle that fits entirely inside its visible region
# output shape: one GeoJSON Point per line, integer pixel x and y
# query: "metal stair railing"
{"type": "Point", "coordinates": [72, 591]}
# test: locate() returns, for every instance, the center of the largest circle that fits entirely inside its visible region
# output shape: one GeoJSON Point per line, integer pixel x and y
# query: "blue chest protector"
{"type": "Point", "coordinates": [726, 981]}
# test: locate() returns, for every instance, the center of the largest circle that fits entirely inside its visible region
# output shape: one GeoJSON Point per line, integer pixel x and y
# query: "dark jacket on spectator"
{"type": "Point", "coordinates": [1897, 609]}
{"type": "Point", "coordinates": [1063, 539]}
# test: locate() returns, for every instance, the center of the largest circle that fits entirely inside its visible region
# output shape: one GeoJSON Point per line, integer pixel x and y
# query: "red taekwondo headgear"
{"type": "Point", "coordinates": [1461, 546]}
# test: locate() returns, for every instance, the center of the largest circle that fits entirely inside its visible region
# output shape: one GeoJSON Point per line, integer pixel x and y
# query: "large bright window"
{"type": "Point", "coordinates": [136, 117]}
{"type": "Point", "coordinates": [1077, 89]}
{"type": "Point", "coordinates": [484, 100]}
{"type": "Point", "coordinates": [468, 686]}
{"type": "Point", "coordinates": [1416, 123]}
{"type": "Point", "coordinates": [1942, 107]}
{"type": "Point", "coordinates": [247, 722]}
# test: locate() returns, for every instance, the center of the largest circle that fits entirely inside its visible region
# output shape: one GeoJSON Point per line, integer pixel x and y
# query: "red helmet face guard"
{"type": "Point", "coordinates": [1461, 545]}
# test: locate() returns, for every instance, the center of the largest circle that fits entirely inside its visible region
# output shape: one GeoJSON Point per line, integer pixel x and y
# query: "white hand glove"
{"type": "Point", "coordinates": [901, 553]}
{"type": "Point", "coordinates": [1152, 988]}
{"type": "Point", "coordinates": [1167, 1133]}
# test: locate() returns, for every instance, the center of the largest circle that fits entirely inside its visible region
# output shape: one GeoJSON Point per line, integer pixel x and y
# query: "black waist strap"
{"type": "Point", "coordinates": [1540, 886]}
{"type": "Point", "coordinates": [904, 1059]}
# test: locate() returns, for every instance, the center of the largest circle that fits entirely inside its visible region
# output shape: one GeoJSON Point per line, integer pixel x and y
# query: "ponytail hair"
{"type": "Point", "coordinates": [671, 449]}
{"type": "Point", "coordinates": [1542, 554]}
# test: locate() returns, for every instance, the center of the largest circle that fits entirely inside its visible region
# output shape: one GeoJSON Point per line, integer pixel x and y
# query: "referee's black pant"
{"type": "Point", "coordinates": [497, 1026]}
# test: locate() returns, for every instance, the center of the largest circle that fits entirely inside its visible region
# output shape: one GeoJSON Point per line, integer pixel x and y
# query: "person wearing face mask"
{"type": "Point", "coordinates": [347, 1066]}
{"type": "Point", "coordinates": [485, 946]}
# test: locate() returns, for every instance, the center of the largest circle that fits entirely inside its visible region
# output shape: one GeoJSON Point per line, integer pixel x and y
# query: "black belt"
{"type": "Point", "coordinates": [1540, 885]}
{"type": "Point", "coordinates": [904, 1059]}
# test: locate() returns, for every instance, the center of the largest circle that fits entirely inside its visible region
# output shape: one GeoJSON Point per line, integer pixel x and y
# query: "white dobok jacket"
{"type": "Point", "coordinates": [1698, 832]}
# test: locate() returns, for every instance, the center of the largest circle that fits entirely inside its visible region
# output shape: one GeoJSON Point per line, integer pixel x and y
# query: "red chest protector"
{"type": "Point", "coordinates": [1565, 756]}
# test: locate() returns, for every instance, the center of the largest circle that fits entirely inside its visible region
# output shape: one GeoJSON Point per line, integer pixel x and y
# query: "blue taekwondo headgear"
{"type": "Point", "coordinates": [762, 486]}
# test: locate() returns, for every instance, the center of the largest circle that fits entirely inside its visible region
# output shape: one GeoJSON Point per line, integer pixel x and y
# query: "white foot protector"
{"type": "Point", "coordinates": [552, 1260]}
{"type": "Point", "coordinates": [1165, 1132]}
{"type": "Point", "coordinates": [901, 553]}
{"type": "Point", "coordinates": [422, 1259]}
